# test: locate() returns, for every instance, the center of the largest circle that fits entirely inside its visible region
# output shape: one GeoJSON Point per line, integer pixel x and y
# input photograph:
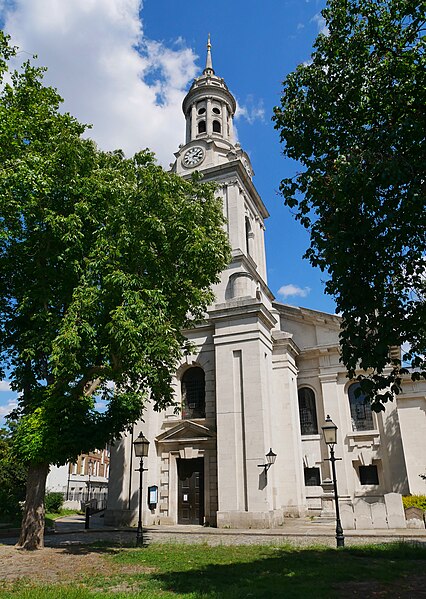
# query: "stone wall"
{"type": "Point", "coordinates": [386, 514]}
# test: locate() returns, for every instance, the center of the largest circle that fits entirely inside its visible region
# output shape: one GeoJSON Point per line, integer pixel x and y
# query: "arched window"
{"type": "Point", "coordinates": [362, 417]}
{"type": "Point", "coordinates": [193, 393]}
{"type": "Point", "coordinates": [216, 127]}
{"type": "Point", "coordinates": [307, 411]}
{"type": "Point", "coordinates": [201, 126]}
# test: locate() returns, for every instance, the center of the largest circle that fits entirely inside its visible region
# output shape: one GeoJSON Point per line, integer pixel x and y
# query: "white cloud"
{"type": "Point", "coordinates": [252, 110]}
{"type": "Point", "coordinates": [5, 409]}
{"type": "Point", "coordinates": [129, 87]}
{"type": "Point", "coordinates": [291, 290]}
{"type": "Point", "coordinates": [321, 24]}
{"type": "Point", "coordinates": [4, 386]}
{"type": "Point", "coordinates": [300, 26]}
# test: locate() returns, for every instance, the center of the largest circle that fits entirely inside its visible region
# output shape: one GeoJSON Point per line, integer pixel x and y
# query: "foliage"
{"type": "Point", "coordinates": [354, 118]}
{"type": "Point", "coordinates": [12, 479]}
{"type": "Point", "coordinates": [415, 501]}
{"type": "Point", "coordinates": [103, 260]}
{"type": "Point", "coordinates": [53, 502]}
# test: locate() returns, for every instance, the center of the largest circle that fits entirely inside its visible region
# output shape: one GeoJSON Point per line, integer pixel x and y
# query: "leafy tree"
{"type": "Point", "coordinates": [13, 474]}
{"type": "Point", "coordinates": [355, 118]}
{"type": "Point", "coordinates": [103, 260]}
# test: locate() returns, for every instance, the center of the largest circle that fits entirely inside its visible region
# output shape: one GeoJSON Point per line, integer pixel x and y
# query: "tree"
{"type": "Point", "coordinates": [103, 260]}
{"type": "Point", "coordinates": [13, 475]}
{"type": "Point", "coordinates": [354, 117]}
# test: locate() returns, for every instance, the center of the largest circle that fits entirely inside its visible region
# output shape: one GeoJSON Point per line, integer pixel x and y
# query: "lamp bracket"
{"type": "Point", "coordinates": [264, 466]}
{"type": "Point", "coordinates": [145, 469]}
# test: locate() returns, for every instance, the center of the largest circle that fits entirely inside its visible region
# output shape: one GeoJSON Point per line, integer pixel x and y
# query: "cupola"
{"type": "Point", "coordinates": [209, 106]}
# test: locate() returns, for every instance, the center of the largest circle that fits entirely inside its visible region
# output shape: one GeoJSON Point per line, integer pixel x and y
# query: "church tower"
{"type": "Point", "coordinates": [205, 457]}
{"type": "Point", "coordinates": [211, 148]}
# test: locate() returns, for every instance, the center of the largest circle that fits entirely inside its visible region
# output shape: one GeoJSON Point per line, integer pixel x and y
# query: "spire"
{"type": "Point", "coordinates": [209, 67]}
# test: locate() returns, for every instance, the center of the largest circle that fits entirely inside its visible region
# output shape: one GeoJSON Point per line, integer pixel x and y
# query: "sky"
{"type": "Point", "coordinates": [124, 66]}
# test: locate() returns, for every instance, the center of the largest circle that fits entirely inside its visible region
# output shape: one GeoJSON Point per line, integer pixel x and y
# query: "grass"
{"type": "Point", "coordinates": [50, 518]}
{"type": "Point", "coordinates": [203, 572]}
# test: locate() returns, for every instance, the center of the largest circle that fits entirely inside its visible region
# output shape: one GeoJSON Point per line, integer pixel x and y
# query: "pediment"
{"type": "Point", "coordinates": [185, 430]}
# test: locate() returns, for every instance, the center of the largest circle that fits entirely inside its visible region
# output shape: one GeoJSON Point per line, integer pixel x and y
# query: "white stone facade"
{"type": "Point", "coordinates": [264, 375]}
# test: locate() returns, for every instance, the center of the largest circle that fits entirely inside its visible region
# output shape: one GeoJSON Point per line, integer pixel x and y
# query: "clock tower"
{"type": "Point", "coordinates": [211, 149]}
{"type": "Point", "coordinates": [229, 410]}
{"type": "Point", "coordinates": [236, 342]}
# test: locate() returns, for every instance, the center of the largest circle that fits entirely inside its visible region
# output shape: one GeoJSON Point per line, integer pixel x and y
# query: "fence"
{"type": "Point", "coordinates": [95, 498]}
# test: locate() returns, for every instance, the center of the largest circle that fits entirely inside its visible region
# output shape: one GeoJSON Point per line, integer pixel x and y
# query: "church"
{"type": "Point", "coordinates": [260, 385]}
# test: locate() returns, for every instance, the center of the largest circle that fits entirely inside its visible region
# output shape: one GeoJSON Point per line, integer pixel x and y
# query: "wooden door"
{"type": "Point", "coordinates": [191, 491]}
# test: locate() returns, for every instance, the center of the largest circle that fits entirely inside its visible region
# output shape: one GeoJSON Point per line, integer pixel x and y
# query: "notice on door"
{"type": "Point", "coordinates": [185, 497]}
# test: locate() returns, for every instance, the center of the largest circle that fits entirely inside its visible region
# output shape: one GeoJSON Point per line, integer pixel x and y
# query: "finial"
{"type": "Point", "coordinates": [209, 67]}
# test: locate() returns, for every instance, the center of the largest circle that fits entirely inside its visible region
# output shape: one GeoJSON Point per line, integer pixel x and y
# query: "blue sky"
{"type": "Point", "coordinates": [124, 66]}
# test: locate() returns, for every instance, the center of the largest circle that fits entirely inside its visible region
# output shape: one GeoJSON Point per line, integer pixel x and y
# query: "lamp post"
{"type": "Point", "coordinates": [270, 460]}
{"type": "Point", "coordinates": [330, 437]}
{"type": "Point", "coordinates": [89, 473]}
{"type": "Point", "coordinates": [141, 447]}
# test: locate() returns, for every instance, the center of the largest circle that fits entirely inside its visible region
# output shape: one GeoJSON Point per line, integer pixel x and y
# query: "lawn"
{"type": "Point", "coordinates": [202, 571]}
{"type": "Point", "coordinates": [50, 518]}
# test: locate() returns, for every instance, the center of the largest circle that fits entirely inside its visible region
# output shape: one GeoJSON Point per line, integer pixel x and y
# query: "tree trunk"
{"type": "Point", "coordinates": [32, 529]}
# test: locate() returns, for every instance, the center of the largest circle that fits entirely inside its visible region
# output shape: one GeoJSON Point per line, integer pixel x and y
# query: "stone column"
{"type": "Point", "coordinates": [193, 121]}
{"type": "Point", "coordinates": [231, 129]}
{"type": "Point", "coordinates": [209, 116]}
{"type": "Point", "coordinates": [224, 120]}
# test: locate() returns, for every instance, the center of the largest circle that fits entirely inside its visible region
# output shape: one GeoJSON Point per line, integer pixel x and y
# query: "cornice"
{"type": "Point", "coordinates": [301, 314]}
{"type": "Point", "coordinates": [237, 309]}
{"type": "Point", "coordinates": [285, 340]}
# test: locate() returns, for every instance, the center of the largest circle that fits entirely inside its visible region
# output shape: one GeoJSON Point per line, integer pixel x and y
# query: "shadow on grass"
{"type": "Point", "coordinates": [288, 572]}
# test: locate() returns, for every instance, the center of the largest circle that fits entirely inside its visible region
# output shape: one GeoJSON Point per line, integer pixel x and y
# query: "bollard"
{"type": "Point", "coordinates": [87, 520]}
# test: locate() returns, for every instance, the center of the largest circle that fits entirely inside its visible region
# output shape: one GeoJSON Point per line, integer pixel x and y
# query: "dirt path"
{"type": "Point", "coordinates": [52, 564]}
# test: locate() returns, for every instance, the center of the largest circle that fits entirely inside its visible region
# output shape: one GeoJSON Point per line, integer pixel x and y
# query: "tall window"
{"type": "Point", "coordinates": [202, 127]}
{"type": "Point", "coordinates": [307, 411]}
{"type": "Point", "coordinates": [193, 393]}
{"type": "Point", "coordinates": [216, 127]}
{"type": "Point", "coordinates": [362, 417]}
{"type": "Point", "coordinates": [248, 234]}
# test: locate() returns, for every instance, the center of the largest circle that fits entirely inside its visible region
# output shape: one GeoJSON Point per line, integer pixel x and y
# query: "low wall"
{"type": "Point", "coordinates": [389, 513]}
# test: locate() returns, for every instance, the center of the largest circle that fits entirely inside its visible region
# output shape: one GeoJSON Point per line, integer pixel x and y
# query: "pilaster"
{"type": "Point", "coordinates": [285, 426]}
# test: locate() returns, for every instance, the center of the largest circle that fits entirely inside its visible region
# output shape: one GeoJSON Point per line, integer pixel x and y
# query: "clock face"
{"type": "Point", "coordinates": [193, 156]}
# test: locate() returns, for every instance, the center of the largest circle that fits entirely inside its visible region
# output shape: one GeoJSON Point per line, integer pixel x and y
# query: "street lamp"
{"type": "Point", "coordinates": [141, 446]}
{"type": "Point", "coordinates": [330, 437]}
{"type": "Point", "coordinates": [89, 473]}
{"type": "Point", "coordinates": [270, 459]}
